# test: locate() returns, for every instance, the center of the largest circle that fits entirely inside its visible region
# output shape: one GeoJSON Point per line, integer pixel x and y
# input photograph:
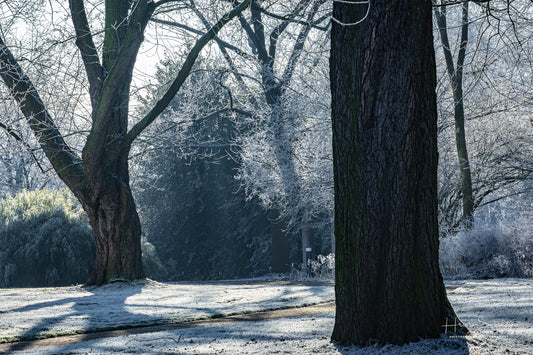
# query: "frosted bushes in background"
{"type": "Point", "coordinates": [320, 269]}
{"type": "Point", "coordinates": [489, 250]}
{"type": "Point", "coordinates": [45, 240]}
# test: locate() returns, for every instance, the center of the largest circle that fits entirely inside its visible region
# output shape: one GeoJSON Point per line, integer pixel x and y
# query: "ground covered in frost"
{"type": "Point", "coordinates": [498, 312]}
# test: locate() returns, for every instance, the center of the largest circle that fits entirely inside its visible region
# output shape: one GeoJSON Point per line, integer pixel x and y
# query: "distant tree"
{"type": "Point", "coordinates": [277, 68]}
{"type": "Point", "coordinates": [491, 100]}
{"type": "Point", "coordinates": [455, 73]}
{"type": "Point", "coordinates": [388, 285]}
{"type": "Point", "coordinates": [283, 40]}
{"type": "Point", "coordinates": [193, 209]}
{"type": "Point", "coordinates": [99, 177]}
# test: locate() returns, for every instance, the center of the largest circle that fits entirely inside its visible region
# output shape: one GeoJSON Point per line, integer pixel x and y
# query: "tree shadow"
{"type": "Point", "coordinates": [99, 309]}
{"type": "Point", "coordinates": [87, 314]}
{"type": "Point", "coordinates": [242, 334]}
{"type": "Point", "coordinates": [258, 336]}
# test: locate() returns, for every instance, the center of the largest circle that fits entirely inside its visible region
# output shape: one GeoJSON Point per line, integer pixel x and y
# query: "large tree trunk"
{"type": "Point", "coordinates": [107, 197]}
{"type": "Point", "coordinates": [388, 285]}
{"type": "Point", "coordinates": [109, 202]}
{"type": "Point", "coordinates": [117, 229]}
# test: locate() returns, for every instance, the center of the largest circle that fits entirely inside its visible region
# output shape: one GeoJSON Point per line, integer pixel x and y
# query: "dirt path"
{"type": "Point", "coordinates": [236, 318]}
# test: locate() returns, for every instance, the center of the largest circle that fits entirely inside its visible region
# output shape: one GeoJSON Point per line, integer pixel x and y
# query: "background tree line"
{"type": "Point", "coordinates": [238, 93]}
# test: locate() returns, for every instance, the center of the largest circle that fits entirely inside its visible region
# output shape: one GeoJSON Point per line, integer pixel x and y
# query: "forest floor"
{"type": "Point", "coordinates": [241, 317]}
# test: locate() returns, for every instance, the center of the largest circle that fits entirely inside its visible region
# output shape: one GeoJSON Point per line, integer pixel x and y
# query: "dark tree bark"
{"type": "Point", "coordinates": [100, 178]}
{"type": "Point", "coordinates": [114, 221]}
{"type": "Point", "coordinates": [388, 285]}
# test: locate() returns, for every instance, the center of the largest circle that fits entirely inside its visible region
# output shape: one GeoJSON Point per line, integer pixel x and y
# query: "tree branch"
{"type": "Point", "coordinates": [274, 35]}
{"type": "Point", "coordinates": [220, 42]}
{"type": "Point", "coordinates": [313, 24]}
{"type": "Point", "coordinates": [257, 45]}
{"type": "Point", "coordinates": [299, 45]}
{"type": "Point", "coordinates": [238, 77]}
{"type": "Point", "coordinates": [462, 46]}
{"type": "Point", "coordinates": [162, 2]}
{"type": "Point", "coordinates": [65, 162]}
{"type": "Point", "coordinates": [443, 31]}
{"type": "Point", "coordinates": [89, 55]}
{"type": "Point", "coordinates": [184, 72]}
{"type": "Point", "coordinates": [10, 131]}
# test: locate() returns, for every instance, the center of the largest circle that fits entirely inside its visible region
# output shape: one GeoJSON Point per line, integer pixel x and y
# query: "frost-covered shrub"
{"type": "Point", "coordinates": [45, 240]}
{"type": "Point", "coordinates": [489, 250]}
{"type": "Point", "coordinates": [321, 269]}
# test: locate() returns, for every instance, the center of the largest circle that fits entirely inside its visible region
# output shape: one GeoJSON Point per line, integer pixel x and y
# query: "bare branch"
{"type": "Point", "coordinates": [163, 2]}
{"type": "Point", "coordinates": [239, 77]}
{"type": "Point", "coordinates": [220, 42]}
{"type": "Point", "coordinates": [274, 35]}
{"type": "Point", "coordinates": [442, 25]}
{"type": "Point", "coordinates": [290, 18]}
{"type": "Point", "coordinates": [184, 72]}
{"type": "Point", "coordinates": [65, 162]}
{"type": "Point", "coordinates": [299, 44]}
{"type": "Point", "coordinates": [257, 40]}
{"type": "Point", "coordinates": [19, 139]}
{"type": "Point", "coordinates": [85, 43]}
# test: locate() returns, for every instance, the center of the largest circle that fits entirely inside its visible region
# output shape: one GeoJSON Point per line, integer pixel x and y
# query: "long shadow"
{"type": "Point", "coordinates": [91, 314]}
{"type": "Point", "coordinates": [270, 335]}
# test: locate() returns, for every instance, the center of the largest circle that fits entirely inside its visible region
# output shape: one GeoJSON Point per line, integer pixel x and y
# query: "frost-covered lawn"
{"type": "Point", "coordinates": [39, 312]}
{"type": "Point", "coordinates": [498, 312]}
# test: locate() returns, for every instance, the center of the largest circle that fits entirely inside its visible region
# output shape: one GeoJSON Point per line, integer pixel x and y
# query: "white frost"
{"type": "Point", "coordinates": [499, 314]}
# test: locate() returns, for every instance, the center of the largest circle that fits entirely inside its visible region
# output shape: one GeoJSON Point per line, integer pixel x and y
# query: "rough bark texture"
{"type": "Point", "coordinates": [388, 285]}
{"type": "Point", "coordinates": [114, 221]}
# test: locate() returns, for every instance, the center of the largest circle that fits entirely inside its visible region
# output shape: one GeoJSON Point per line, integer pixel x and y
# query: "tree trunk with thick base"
{"type": "Point", "coordinates": [116, 227]}
{"type": "Point", "coordinates": [389, 288]}
{"type": "Point", "coordinates": [117, 233]}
